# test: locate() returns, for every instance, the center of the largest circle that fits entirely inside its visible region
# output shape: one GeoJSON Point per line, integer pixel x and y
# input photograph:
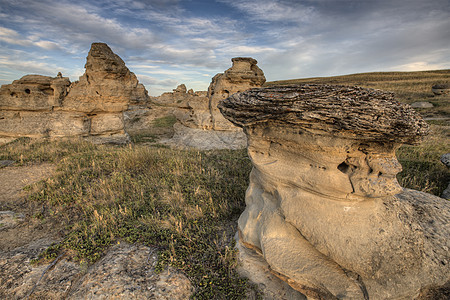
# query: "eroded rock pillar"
{"type": "Point", "coordinates": [323, 207]}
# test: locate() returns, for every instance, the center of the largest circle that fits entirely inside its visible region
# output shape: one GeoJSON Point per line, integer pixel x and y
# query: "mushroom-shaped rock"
{"type": "Point", "coordinates": [323, 206]}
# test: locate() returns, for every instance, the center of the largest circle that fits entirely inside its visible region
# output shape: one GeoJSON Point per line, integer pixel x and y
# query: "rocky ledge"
{"type": "Point", "coordinates": [362, 113]}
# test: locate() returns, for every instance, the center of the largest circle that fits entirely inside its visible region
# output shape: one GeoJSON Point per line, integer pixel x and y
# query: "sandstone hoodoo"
{"type": "Point", "coordinates": [200, 123]}
{"type": "Point", "coordinates": [41, 106]}
{"type": "Point", "coordinates": [244, 74]}
{"type": "Point", "coordinates": [106, 86]}
{"type": "Point", "coordinates": [323, 207]}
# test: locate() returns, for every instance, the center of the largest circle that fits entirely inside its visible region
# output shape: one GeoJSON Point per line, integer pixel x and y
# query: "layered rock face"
{"type": "Point", "coordinates": [323, 206]}
{"type": "Point", "coordinates": [190, 108]}
{"type": "Point", "coordinates": [41, 106]}
{"type": "Point", "coordinates": [106, 86]}
{"type": "Point", "coordinates": [244, 74]}
{"type": "Point", "coordinates": [201, 125]}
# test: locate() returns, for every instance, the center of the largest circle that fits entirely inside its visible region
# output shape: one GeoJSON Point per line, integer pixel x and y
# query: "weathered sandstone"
{"type": "Point", "coordinates": [106, 86]}
{"type": "Point", "coordinates": [244, 74]}
{"type": "Point", "coordinates": [41, 106]}
{"type": "Point", "coordinates": [201, 125]}
{"type": "Point", "coordinates": [191, 108]}
{"type": "Point", "coordinates": [324, 208]}
{"type": "Point", "coordinates": [34, 93]}
{"type": "Point", "coordinates": [441, 89]}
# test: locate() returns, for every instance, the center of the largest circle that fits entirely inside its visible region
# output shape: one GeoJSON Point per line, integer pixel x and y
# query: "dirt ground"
{"type": "Point", "coordinates": [17, 227]}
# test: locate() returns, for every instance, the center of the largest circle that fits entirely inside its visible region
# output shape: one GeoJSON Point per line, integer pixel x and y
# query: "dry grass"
{"type": "Point", "coordinates": [185, 203]}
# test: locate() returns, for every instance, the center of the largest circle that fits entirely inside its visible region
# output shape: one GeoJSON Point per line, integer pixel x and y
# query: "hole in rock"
{"type": "Point", "coordinates": [344, 167]}
{"type": "Point", "coordinates": [27, 91]}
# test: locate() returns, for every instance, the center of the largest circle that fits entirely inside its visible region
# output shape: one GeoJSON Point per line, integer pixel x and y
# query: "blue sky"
{"type": "Point", "coordinates": [169, 42]}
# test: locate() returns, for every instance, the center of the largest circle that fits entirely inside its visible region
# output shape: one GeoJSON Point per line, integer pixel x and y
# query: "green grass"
{"type": "Point", "coordinates": [422, 169]}
{"type": "Point", "coordinates": [164, 122]}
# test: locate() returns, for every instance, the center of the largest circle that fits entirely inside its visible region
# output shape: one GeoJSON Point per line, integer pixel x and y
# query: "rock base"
{"type": "Point", "coordinates": [191, 138]}
{"type": "Point", "coordinates": [253, 266]}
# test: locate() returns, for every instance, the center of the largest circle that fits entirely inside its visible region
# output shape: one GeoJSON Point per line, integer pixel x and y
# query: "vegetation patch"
{"type": "Point", "coordinates": [185, 203]}
{"type": "Point", "coordinates": [422, 168]}
{"type": "Point", "coordinates": [164, 122]}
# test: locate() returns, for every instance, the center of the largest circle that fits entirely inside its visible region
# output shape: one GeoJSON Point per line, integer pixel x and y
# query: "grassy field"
{"type": "Point", "coordinates": [186, 203]}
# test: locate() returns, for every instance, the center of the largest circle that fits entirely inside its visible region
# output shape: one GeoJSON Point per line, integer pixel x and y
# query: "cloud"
{"type": "Point", "coordinates": [11, 36]}
{"type": "Point", "coordinates": [48, 45]}
{"type": "Point", "coordinates": [275, 11]}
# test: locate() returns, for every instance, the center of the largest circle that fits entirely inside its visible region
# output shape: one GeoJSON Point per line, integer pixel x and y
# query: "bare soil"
{"type": "Point", "coordinates": [24, 228]}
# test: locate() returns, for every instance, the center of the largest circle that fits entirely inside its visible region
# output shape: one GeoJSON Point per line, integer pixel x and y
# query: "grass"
{"type": "Point", "coordinates": [422, 169]}
{"type": "Point", "coordinates": [164, 122]}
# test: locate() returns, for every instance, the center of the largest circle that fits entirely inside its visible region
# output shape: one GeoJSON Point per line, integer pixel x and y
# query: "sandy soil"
{"type": "Point", "coordinates": [18, 227]}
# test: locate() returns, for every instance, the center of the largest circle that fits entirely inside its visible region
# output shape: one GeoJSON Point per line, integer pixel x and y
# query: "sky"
{"type": "Point", "coordinates": [169, 42]}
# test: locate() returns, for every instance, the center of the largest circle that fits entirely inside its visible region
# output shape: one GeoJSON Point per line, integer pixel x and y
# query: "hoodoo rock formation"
{"type": "Point", "coordinates": [41, 106]}
{"type": "Point", "coordinates": [201, 125]}
{"type": "Point", "coordinates": [244, 74]}
{"type": "Point", "coordinates": [323, 207]}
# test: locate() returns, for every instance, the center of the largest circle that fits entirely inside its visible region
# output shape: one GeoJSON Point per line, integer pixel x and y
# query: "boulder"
{"type": "Point", "coordinates": [176, 98]}
{"type": "Point", "coordinates": [244, 74]}
{"type": "Point", "coordinates": [194, 112]}
{"type": "Point", "coordinates": [323, 206]}
{"type": "Point", "coordinates": [422, 104]}
{"type": "Point", "coordinates": [445, 159]}
{"type": "Point", "coordinates": [441, 89]}
{"type": "Point", "coordinates": [190, 108]}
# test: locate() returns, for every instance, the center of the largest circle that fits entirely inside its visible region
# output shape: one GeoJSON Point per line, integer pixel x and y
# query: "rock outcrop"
{"type": "Point", "coordinates": [41, 106]}
{"type": "Point", "coordinates": [191, 108]}
{"type": "Point", "coordinates": [200, 123]}
{"type": "Point", "coordinates": [244, 74]}
{"type": "Point", "coordinates": [441, 89]}
{"type": "Point", "coordinates": [324, 208]}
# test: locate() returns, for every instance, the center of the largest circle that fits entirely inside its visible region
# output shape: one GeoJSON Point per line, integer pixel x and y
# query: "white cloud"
{"type": "Point", "coordinates": [275, 11]}
{"type": "Point", "coordinates": [48, 45]}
